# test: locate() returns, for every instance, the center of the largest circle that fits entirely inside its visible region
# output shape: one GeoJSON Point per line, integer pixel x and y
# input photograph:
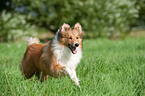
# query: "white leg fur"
{"type": "Point", "coordinates": [72, 74]}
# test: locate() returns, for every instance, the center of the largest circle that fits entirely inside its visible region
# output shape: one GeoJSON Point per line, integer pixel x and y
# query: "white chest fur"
{"type": "Point", "coordinates": [65, 57]}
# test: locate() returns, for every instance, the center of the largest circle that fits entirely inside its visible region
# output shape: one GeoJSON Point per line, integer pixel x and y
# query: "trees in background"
{"type": "Point", "coordinates": [97, 17]}
{"type": "Point", "coordinates": [14, 27]}
{"type": "Point", "coordinates": [141, 18]}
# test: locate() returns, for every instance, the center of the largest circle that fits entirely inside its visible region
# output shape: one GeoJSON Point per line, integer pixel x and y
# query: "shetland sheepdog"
{"type": "Point", "coordinates": [57, 57]}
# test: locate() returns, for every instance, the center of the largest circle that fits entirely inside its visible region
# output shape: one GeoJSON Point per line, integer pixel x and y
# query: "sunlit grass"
{"type": "Point", "coordinates": [111, 68]}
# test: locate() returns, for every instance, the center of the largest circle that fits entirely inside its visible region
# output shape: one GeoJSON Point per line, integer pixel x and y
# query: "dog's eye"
{"type": "Point", "coordinates": [77, 38]}
{"type": "Point", "coordinates": [70, 37]}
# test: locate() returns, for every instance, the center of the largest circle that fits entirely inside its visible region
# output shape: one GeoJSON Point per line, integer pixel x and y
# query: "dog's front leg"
{"type": "Point", "coordinates": [73, 76]}
{"type": "Point", "coordinates": [58, 70]}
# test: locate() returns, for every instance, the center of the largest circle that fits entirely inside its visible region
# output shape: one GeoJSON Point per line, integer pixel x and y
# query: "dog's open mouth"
{"type": "Point", "coordinates": [73, 49]}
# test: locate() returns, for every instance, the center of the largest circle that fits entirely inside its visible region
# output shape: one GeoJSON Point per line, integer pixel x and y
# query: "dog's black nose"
{"type": "Point", "coordinates": [77, 44]}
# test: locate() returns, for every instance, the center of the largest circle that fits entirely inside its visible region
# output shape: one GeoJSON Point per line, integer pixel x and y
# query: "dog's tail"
{"type": "Point", "coordinates": [32, 41]}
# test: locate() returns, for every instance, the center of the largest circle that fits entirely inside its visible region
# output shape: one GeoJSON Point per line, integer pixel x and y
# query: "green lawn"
{"type": "Point", "coordinates": [108, 68]}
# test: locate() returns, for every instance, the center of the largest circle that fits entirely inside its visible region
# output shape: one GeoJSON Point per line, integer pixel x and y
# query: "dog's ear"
{"type": "Point", "coordinates": [65, 27]}
{"type": "Point", "coordinates": [78, 27]}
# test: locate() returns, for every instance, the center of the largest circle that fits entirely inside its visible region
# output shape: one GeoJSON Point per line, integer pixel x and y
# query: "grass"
{"type": "Point", "coordinates": [108, 68]}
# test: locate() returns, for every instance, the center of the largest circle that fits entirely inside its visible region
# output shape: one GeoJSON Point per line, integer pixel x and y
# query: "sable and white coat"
{"type": "Point", "coordinates": [61, 54]}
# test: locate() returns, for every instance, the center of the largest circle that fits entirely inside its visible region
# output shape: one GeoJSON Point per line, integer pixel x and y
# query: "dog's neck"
{"type": "Point", "coordinates": [63, 54]}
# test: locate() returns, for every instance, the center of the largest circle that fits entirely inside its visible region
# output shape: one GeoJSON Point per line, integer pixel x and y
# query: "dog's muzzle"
{"type": "Point", "coordinates": [73, 47]}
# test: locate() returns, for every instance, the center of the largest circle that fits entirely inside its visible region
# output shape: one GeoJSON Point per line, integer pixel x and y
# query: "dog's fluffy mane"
{"type": "Point", "coordinates": [64, 55]}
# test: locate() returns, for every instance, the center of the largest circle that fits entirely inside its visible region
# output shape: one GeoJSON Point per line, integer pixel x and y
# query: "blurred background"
{"type": "Point", "coordinates": [113, 19]}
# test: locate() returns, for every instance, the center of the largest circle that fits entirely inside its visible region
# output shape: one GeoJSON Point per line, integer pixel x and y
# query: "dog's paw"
{"type": "Point", "coordinates": [76, 83]}
{"type": "Point", "coordinates": [62, 67]}
{"type": "Point", "coordinates": [62, 70]}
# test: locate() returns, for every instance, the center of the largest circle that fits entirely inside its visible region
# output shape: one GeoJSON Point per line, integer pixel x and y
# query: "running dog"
{"type": "Point", "coordinates": [56, 58]}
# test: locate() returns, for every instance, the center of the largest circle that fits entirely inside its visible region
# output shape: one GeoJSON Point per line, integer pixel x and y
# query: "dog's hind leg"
{"type": "Point", "coordinates": [27, 68]}
{"type": "Point", "coordinates": [43, 76]}
{"type": "Point", "coordinates": [38, 74]}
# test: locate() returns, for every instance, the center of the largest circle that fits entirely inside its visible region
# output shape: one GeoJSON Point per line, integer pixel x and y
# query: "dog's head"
{"type": "Point", "coordinates": [71, 37]}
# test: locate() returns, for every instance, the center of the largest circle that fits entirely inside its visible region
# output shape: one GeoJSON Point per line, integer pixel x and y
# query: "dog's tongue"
{"type": "Point", "coordinates": [74, 50]}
